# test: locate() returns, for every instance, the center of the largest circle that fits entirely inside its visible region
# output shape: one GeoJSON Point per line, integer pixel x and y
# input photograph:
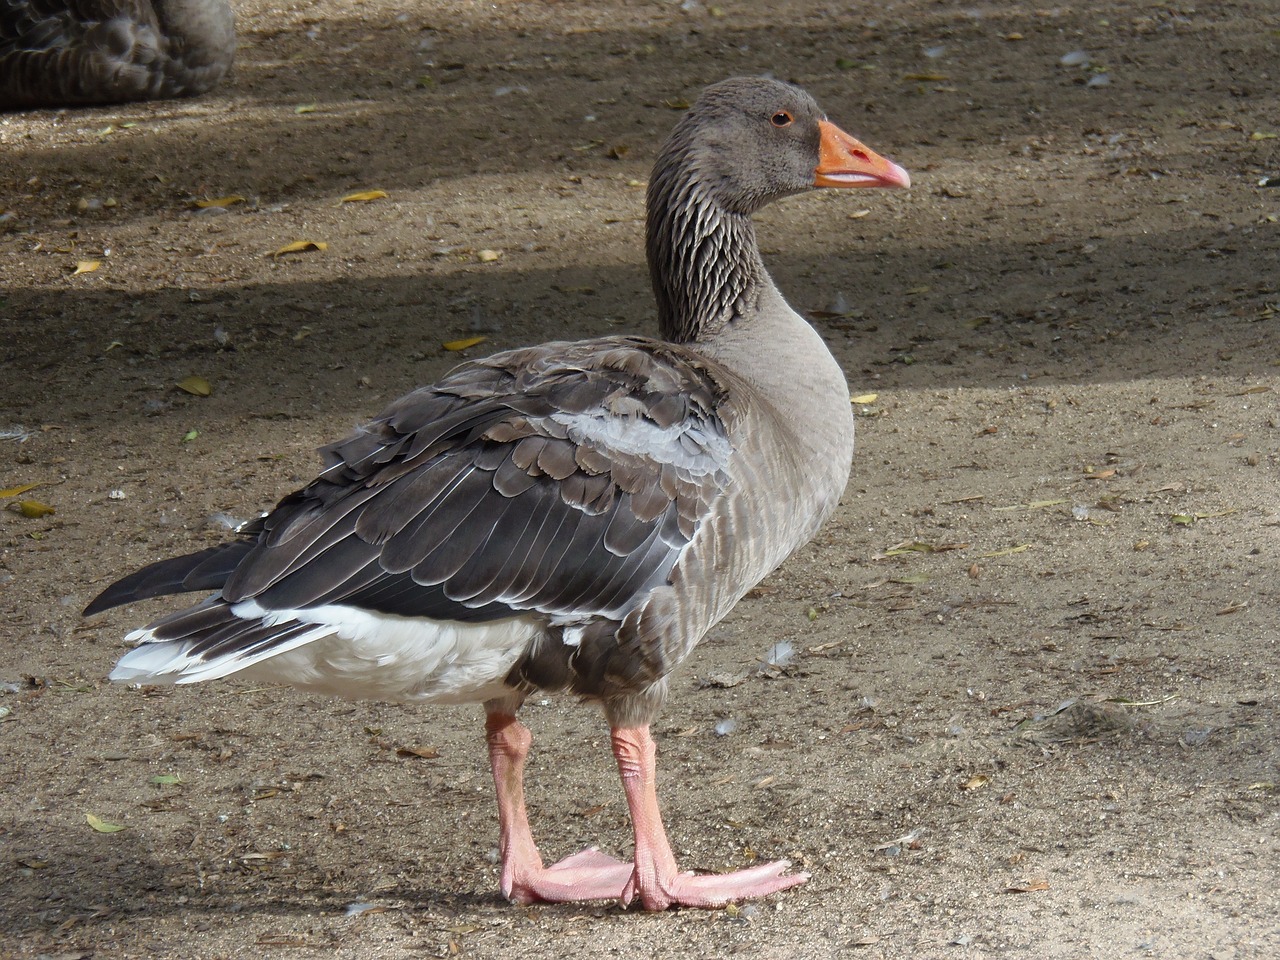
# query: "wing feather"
{"type": "Point", "coordinates": [564, 479]}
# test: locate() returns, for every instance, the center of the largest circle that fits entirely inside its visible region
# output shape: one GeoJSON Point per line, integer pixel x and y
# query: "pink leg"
{"type": "Point", "coordinates": [657, 880]}
{"type": "Point", "coordinates": [587, 875]}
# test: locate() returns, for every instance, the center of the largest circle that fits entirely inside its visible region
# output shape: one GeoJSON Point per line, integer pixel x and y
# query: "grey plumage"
{"type": "Point", "coordinates": [78, 52]}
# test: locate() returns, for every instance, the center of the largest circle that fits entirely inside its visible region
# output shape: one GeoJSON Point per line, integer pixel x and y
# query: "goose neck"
{"type": "Point", "coordinates": [704, 262]}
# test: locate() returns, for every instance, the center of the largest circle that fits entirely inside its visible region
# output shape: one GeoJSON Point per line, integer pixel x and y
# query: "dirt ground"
{"type": "Point", "coordinates": [1034, 702]}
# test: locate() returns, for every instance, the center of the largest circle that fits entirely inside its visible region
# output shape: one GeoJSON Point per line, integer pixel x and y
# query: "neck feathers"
{"type": "Point", "coordinates": [704, 263]}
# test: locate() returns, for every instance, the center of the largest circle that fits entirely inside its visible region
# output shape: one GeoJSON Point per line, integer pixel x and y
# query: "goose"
{"type": "Point", "coordinates": [571, 516]}
{"type": "Point", "coordinates": [56, 53]}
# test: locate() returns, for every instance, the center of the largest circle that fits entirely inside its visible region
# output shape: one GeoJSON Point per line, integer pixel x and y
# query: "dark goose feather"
{"type": "Point", "coordinates": [57, 53]}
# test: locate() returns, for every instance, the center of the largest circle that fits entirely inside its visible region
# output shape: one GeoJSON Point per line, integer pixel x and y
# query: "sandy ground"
{"type": "Point", "coordinates": [1033, 708]}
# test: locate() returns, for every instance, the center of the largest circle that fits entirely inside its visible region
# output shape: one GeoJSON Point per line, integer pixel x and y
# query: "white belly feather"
{"type": "Point", "coordinates": [352, 653]}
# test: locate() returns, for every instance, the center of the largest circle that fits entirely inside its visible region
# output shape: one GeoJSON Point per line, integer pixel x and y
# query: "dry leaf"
{"type": "Point", "coordinates": [14, 491]}
{"type": "Point", "coordinates": [263, 856]}
{"type": "Point", "coordinates": [86, 266]}
{"type": "Point", "coordinates": [300, 246]}
{"type": "Point", "coordinates": [31, 509]}
{"type": "Point", "coordinates": [910, 579]}
{"type": "Point", "coordinates": [1007, 552]}
{"type": "Point", "coordinates": [220, 201]}
{"type": "Point", "coordinates": [196, 386]}
{"type": "Point", "coordinates": [976, 781]}
{"type": "Point", "coordinates": [426, 753]}
{"type": "Point", "coordinates": [1028, 887]}
{"type": "Point", "coordinates": [865, 398]}
{"type": "Point", "coordinates": [454, 345]}
{"type": "Point", "coordinates": [488, 256]}
{"type": "Point", "coordinates": [364, 196]}
{"type": "Point", "coordinates": [101, 825]}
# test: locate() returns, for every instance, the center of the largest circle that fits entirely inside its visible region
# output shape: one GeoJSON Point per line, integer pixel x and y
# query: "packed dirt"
{"type": "Point", "coordinates": [1033, 702]}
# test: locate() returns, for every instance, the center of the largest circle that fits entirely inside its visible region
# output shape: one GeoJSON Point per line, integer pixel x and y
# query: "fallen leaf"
{"type": "Point", "coordinates": [1033, 505]}
{"type": "Point", "coordinates": [167, 779]}
{"type": "Point", "coordinates": [31, 509]}
{"type": "Point", "coordinates": [220, 201]}
{"type": "Point", "coordinates": [1028, 887]}
{"type": "Point", "coordinates": [488, 256]}
{"type": "Point", "coordinates": [865, 398]}
{"type": "Point", "coordinates": [1091, 474]}
{"type": "Point", "coordinates": [1008, 551]}
{"type": "Point", "coordinates": [305, 108]}
{"type": "Point", "coordinates": [1186, 519]}
{"type": "Point", "coordinates": [975, 782]}
{"type": "Point", "coordinates": [300, 246]}
{"type": "Point", "coordinates": [916, 546]}
{"type": "Point", "coordinates": [194, 385]}
{"type": "Point", "coordinates": [190, 435]}
{"type": "Point", "coordinates": [264, 856]}
{"type": "Point", "coordinates": [426, 753]}
{"type": "Point", "coordinates": [14, 491]}
{"type": "Point", "coordinates": [455, 345]}
{"type": "Point", "coordinates": [910, 579]}
{"type": "Point", "coordinates": [364, 196]}
{"type": "Point", "coordinates": [86, 266]}
{"type": "Point", "coordinates": [101, 825]}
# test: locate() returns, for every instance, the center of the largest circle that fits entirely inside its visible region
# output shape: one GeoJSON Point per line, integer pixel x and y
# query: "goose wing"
{"type": "Point", "coordinates": [564, 479]}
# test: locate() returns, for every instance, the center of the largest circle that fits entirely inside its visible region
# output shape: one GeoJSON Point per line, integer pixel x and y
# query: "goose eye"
{"type": "Point", "coordinates": [781, 119]}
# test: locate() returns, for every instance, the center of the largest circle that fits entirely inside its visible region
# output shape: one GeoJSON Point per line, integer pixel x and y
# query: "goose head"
{"type": "Point", "coordinates": [750, 140]}
{"type": "Point", "coordinates": [745, 142]}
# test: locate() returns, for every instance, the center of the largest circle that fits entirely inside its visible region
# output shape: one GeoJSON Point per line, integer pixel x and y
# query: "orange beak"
{"type": "Point", "coordinates": [845, 162]}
